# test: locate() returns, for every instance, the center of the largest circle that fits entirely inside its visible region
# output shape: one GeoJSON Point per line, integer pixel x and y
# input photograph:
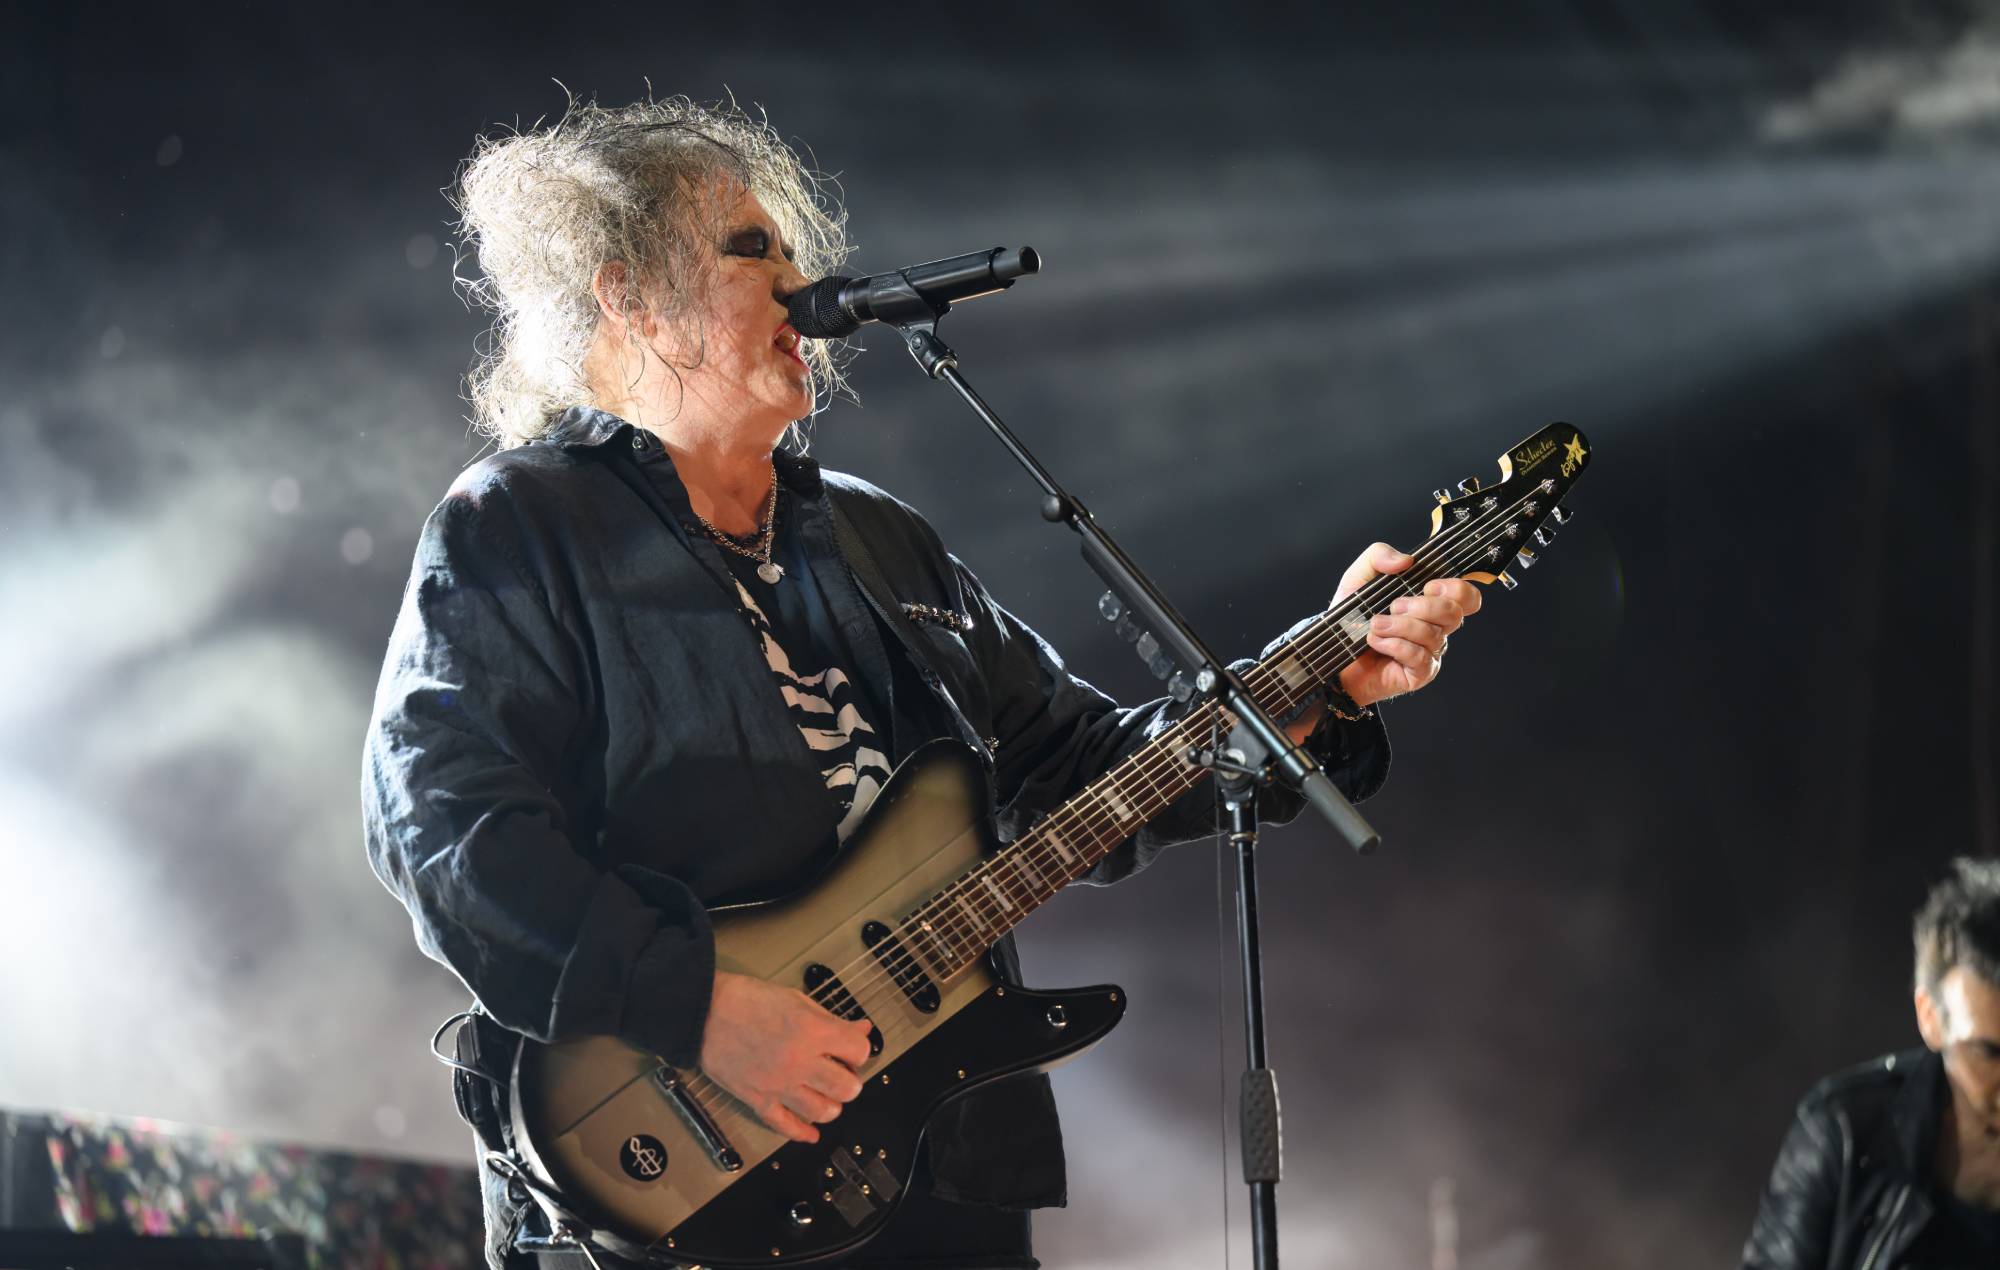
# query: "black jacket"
{"type": "Point", "coordinates": [576, 750]}
{"type": "Point", "coordinates": [1852, 1187]}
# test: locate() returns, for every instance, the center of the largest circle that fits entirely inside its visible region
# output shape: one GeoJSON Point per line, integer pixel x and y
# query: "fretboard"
{"type": "Point", "coordinates": [959, 924]}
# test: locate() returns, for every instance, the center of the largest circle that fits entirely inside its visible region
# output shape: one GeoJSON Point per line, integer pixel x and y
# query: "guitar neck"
{"type": "Point", "coordinates": [959, 924]}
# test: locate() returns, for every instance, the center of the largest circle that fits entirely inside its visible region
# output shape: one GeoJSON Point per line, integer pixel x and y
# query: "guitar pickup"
{"type": "Point", "coordinates": [699, 1122]}
{"type": "Point", "coordinates": [902, 966]}
{"type": "Point", "coordinates": [825, 987]}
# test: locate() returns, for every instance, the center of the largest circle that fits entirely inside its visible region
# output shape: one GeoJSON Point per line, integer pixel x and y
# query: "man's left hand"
{"type": "Point", "coordinates": [1406, 641]}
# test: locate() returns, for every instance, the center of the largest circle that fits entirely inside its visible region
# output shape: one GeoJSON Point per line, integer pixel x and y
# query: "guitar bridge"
{"type": "Point", "coordinates": [699, 1122]}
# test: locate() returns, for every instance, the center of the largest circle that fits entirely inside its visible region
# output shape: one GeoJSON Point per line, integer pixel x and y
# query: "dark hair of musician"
{"type": "Point", "coordinates": [1959, 924]}
{"type": "Point", "coordinates": [645, 186]}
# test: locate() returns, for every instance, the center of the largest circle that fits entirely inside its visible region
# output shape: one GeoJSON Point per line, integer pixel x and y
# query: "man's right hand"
{"type": "Point", "coordinates": [781, 1052]}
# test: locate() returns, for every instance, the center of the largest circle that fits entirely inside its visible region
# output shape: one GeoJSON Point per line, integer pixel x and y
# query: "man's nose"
{"type": "Point", "coordinates": [788, 282]}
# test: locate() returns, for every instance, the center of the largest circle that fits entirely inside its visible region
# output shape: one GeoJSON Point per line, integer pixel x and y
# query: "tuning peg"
{"type": "Point", "coordinates": [1525, 558]}
{"type": "Point", "coordinates": [1110, 606]}
{"type": "Point", "coordinates": [1440, 496]}
{"type": "Point", "coordinates": [1507, 580]}
{"type": "Point", "coordinates": [1560, 514]}
{"type": "Point", "coordinates": [1545, 535]}
{"type": "Point", "coordinates": [1470, 485]}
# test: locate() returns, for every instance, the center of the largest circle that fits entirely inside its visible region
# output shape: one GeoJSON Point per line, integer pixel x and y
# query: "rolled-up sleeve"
{"type": "Point", "coordinates": [1056, 733]}
{"type": "Point", "coordinates": [481, 709]}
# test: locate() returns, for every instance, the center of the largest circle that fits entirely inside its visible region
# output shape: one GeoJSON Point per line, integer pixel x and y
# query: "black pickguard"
{"type": "Point", "coordinates": [1004, 1033]}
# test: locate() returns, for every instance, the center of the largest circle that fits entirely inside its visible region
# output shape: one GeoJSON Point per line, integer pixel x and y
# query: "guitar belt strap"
{"type": "Point", "coordinates": [869, 574]}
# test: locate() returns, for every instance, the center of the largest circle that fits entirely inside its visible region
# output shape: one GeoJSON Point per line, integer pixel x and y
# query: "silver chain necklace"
{"type": "Point", "coordinates": [760, 551]}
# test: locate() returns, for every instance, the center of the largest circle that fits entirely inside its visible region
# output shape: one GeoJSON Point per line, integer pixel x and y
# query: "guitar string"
{"type": "Point", "coordinates": [1307, 647]}
{"type": "Point", "coordinates": [1160, 759]}
{"type": "Point", "coordinates": [1151, 767]}
{"type": "Point", "coordinates": [1147, 768]}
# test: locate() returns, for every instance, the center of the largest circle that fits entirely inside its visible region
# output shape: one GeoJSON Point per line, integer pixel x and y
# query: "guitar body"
{"type": "Point", "coordinates": [670, 1162]}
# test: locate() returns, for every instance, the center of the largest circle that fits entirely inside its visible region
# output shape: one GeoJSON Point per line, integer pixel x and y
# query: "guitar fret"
{"type": "Point", "coordinates": [999, 896]}
{"type": "Point", "coordinates": [1293, 673]}
{"type": "Point", "coordinates": [924, 941]}
{"type": "Point", "coordinates": [1121, 811]}
{"type": "Point", "coordinates": [1022, 864]}
{"type": "Point", "coordinates": [1061, 847]}
{"type": "Point", "coordinates": [958, 920]}
{"type": "Point", "coordinates": [968, 908]}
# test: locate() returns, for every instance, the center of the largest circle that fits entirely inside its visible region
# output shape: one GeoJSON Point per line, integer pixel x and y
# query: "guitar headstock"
{"type": "Point", "coordinates": [1481, 533]}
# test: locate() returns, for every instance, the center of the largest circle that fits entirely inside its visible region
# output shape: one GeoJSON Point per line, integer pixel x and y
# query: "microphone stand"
{"type": "Point", "coordinates": [1257, 750]}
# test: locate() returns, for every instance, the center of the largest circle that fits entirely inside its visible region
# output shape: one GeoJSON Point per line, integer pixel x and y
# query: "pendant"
{"type": "Point", "coordinates": [770, 572]}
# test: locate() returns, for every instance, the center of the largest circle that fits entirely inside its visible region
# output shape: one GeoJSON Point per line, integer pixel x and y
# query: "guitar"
{"type": "Point", "coordinates": [666, 1166]}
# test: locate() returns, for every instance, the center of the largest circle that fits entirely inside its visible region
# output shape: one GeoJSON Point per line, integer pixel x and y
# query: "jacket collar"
{"type": "Point", "coordinates": [586, 428]}
{"type": "Point", "coordinates": [1917, 1109]}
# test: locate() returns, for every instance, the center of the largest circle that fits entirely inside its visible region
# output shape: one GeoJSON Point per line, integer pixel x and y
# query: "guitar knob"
{"type": "Point", "coordinates": [1058, 1018]}
{"type": "Point", "coordinates": [801, 1214]}
{"type": "Point", "coordinates": [1561, 514]}
{"type": "Point", "coordinates": [1470, 485]}
{"type": "Point", "coordinates": [1525, 558]}
{"type": "Point", "coordinates": [1507, 580]}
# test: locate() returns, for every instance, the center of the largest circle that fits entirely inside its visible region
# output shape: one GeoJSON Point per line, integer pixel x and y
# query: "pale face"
{"type": "Point", "coordinates": [741, 369]}
{"type": "Point", "coordinates": [1962, 1022]}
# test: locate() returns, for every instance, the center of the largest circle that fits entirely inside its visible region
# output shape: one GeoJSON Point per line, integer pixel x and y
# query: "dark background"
{"type": "Point", "coordinates": [1652, 840]}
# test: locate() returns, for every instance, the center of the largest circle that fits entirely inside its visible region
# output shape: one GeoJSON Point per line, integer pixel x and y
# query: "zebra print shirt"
{"type": "Point", "coordinates": [826, 708]}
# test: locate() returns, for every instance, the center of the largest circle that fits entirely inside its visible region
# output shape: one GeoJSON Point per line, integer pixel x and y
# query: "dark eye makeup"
{"type": "Point", "coordinates": [753, 242]}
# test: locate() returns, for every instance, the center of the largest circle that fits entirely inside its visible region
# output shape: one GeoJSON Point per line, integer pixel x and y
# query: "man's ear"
{"type": "Point", "coordinates": [1930, 1020]}
{"type": "Point", "coordinates": [617, 303]}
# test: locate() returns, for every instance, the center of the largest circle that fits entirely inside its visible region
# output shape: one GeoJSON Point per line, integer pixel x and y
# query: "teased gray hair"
{"type": "Point", "coordinates": [544, 209]}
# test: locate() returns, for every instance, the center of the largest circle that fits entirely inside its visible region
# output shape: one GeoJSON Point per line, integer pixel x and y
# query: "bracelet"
{"type": "Point", "coordinates": [1342, 706]}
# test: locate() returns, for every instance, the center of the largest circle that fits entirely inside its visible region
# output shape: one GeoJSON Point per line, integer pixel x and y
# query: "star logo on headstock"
{"type": "Point", "coordinates": [1572, 455]}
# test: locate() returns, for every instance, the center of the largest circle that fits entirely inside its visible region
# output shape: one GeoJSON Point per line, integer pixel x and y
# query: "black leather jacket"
{"type": "Point", "coordinates": [1851, 1189]}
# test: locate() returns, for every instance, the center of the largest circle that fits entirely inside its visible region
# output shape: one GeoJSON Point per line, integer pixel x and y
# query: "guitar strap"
{"type": "Point", "coordinates": [869, 574]}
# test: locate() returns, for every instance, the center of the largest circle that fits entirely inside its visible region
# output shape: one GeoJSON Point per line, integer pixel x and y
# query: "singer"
{"type": "Point", "coordinates": [634, 677]}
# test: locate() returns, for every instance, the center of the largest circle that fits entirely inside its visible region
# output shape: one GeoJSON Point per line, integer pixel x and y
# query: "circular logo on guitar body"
{"type": "Point", "coordinates": [643, 1157]}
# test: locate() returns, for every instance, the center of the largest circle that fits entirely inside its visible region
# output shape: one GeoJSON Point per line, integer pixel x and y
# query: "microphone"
{"type": "Point", "coordinates": [833, 307]}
